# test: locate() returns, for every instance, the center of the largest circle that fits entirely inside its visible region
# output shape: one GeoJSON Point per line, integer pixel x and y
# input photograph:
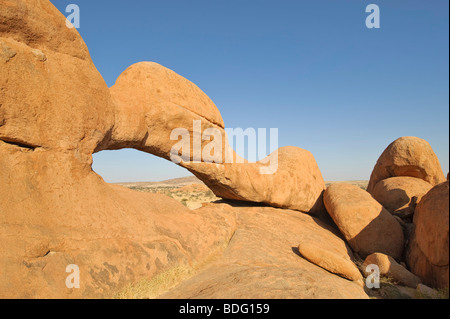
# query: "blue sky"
{"type": "Point", "coordinates": [309, 68]}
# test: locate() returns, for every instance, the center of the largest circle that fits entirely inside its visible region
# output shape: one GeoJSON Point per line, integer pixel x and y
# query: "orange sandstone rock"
{"type": "Point", "coordinates": [428, 250]}
{"type": "Point", "coordinates": [55, 109]}
{"type": "Point", "coordinates": [400, 195]}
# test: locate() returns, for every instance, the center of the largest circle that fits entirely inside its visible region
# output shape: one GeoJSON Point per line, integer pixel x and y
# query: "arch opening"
{"type": "Point", "coordinates": [145, 172]}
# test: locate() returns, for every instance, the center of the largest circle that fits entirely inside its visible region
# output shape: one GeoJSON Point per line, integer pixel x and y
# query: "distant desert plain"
{"type": "Point", "coordinates": [192, 192]}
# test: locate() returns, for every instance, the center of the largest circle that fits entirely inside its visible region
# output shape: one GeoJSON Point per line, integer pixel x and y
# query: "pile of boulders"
{"type": "Point", "coordinates": [409, 182]}
{"type": "Point", "coordinates": [401, 223]}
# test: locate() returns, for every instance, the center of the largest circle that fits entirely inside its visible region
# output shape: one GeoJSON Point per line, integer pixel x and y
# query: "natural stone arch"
{"type": "Point", "coordinates": [151, 101]}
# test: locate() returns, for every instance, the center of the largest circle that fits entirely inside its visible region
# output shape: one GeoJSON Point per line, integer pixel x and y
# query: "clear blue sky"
{"type": "Point", "coordinates": [309, 68]}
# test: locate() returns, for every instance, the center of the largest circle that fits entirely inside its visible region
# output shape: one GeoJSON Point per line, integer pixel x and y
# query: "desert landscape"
{"type": "Point", "coordinates": [227, 232]}
{"type": "Point", "coordinates": [189, 191]}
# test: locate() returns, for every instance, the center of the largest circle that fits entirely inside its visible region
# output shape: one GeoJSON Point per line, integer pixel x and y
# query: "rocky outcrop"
{"type": "Point", "coordinates": [400, 195]}
{"type": "Point", "coordinates": [55, 109]}
{"type": "Point", "coordinates": [407, 156]}
{"type": "Point", "coordinates": [262, 260]}
{"type": "Point", "coordinates": [364, 223]}
{"type": "Point", "coordinates": [152, 103]}
{"type": "Point", "coordinates": [428, 251]}
{"type": "Point", "coordinates": [55, 212]}
{"type": "Point", "coordinates": [432, 224]}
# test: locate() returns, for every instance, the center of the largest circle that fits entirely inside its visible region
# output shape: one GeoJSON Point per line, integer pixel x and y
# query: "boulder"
{"type": "Point", "coordinates": [152, 102]}
{"type": "Point", "coordinates": [390, 268]}
{"type": "Point", "coordinates": [407, 156]}
{"type": "Point", "coordinates": [364, 223]}
{"type": "Point", "coordinates": [400, 195]}
{"type": "Point", "coordinates": [428, 251]}
{"type": "Point", "coordinates": [327, 259]}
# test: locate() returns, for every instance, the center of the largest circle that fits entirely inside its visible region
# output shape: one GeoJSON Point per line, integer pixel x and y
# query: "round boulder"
{"type": "Point", "coordinates": [323, 257]}
{"type": "Point", "coordinates": [407, 156]}
{"type": "Point", "coordinates": [399, 195]}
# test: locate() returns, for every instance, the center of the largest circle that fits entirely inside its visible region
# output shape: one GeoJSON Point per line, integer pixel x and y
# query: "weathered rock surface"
{"type": "Point", "coordinates": [297, 184]}
{"type": "Point", "coordinates": [64, 87]}
{"type": "Point", "coordinates": [431, 275]}
{"type": "Point", "coordinates": [261, 260]}
{"type": "Point", "coordinates": [54, 210]}
{"type": "Point", "coordinates": [56, 111]}
{"type": "Point", "coordinates": [364, 223]}
{"type": "Point", "coordinates": [407, 156]}
{"type": "Point", "coordinates": [327, 259]}
{"type": "Point", "coordinates": [22, 21]}
{"type": "Point", "coordinates": [428, 250]}
{"type": "Point", "coordinates": [432, 224]}
{"type": "Point", "coordinates": [151, 102]}
{"type": "Point", "coordinates": [400, 195]}
{"type": "Point", "coordinates": [389, 267]}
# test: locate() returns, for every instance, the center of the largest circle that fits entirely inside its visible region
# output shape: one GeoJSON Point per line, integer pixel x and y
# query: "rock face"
{"type": "Point", "coordinates": [407, 156]}
{"type": "Point", "coordinates": [152, 102]}
{"type": "Point", "coordinates": [262, 262]}
{"type": "Point", "coordinates": [428, 251]}
{"type": "Point", "coordinates": [50, 95]}
{"type": "Point", "coordinates": [389, 267]}
{"type": "Point", "coordinates": [55, 109]}
{"type": "Point", "coordinates": [364, 223]}
{"type": "Point", "coordinates": [399, 195]}
{"type": "Point", "coordinates": [432, 224]}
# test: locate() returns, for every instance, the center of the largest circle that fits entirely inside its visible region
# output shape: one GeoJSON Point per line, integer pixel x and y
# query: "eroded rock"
{"type": "Point", "coordinates": [400, 195]}
{"type": "Point", "coordinates": [152, 102]}
{"type": "Point", "coordinates": [55, 109]}
{"type": "Point", "coordinates": [407, 156]}
{"type": "Point", "coordinates": [428, 250]}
